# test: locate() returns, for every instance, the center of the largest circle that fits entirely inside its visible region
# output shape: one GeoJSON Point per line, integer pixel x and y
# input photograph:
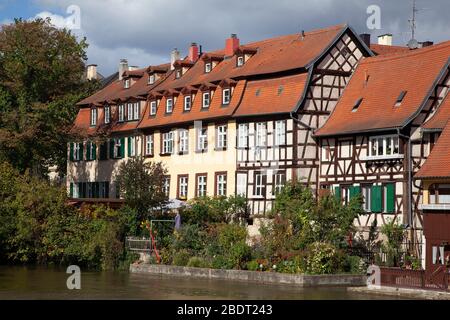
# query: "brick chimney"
{"type": "Point", "coordinates": [123, 66]}
{"type": "Point", "coordinates": [385, 39]}
{"type": "Point", "coordinates": [193, 52]}
{"type": "Point", "coordinates": [365, 37]}
{"type": "Point", "coordinates": [91, 73]}
{"type": "Point", "coordinates": [231, 45]}
{"type": "Point", "coordinates": [174, 56]}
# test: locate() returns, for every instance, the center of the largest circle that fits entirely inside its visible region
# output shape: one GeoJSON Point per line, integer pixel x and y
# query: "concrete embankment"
{"type": "Point", "coordinates": [252, 276]}
{"type": "Point", "coordinates": [404, 292]}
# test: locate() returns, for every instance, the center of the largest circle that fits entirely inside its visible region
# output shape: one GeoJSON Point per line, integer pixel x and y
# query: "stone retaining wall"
{"type": "Point", "coordinates": [253, 276]}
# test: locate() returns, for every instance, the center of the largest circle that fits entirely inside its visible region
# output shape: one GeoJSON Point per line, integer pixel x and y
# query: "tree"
{"type": "Point", "coordinates": [142, 185]}
{"type": "Point", "coordinates": [41, 79]}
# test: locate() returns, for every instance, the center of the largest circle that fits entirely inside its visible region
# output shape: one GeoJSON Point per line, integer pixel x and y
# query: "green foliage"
{"type": "Point", "coordinates": [141, 185]}
{"type": "Point", "coordinates": [181, 258]}
{"type": "Point", "coordinates": [197, 262]}
{"type": "Point", "coordinates": [354, 265]}
{"type": "Point", "coordinates": [253, 265]}
{"type": "Point", "coordinates": [324, 258]}
{"type": "Point", "coordinates": [295, 264]}
{"type": "Point", "coordinates": [395, 234]}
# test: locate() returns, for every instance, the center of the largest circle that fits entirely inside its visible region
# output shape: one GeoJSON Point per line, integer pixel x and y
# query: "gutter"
{"type": "Point", "coordinates": [410, 198]}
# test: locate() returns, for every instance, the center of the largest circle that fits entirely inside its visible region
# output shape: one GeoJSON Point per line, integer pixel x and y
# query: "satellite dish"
{"type": "Point", "coordinates": [413, 44]}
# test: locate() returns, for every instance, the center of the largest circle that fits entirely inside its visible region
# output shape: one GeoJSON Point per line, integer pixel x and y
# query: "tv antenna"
{"type": "Point", "coordinates": [413, 44]}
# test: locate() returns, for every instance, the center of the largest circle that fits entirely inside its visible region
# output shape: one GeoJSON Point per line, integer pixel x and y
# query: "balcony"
{"type": "Point", "coordinates": [383, 157]}
{"type": "Point", "coordinates": [435, 207]}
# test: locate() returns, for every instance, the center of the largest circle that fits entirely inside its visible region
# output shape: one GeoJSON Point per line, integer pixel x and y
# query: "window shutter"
{"type": "Point", "coordinates": [129, 147]}
{"type": "Point", "coordinates": [88, 151]}
{"type": "Point", "coordinates": [111, 149]}
{"type": "Point", "coordinates": [103, 151]}
{"type": "Point", "coordinates": [107, 190]}
{"type": "Point", "coordinates": [94, 151]}
{"type": "Point", "coordinates": [71, 152]}
{"type": "Point", "coordinates": [71, 190]}
{"type": "Point", "coordinates": [264, 182]}
{"type": "Point", "coordinates": [97, 190]}
{"type": "Point", "coordinates": [337, 193]}
{"type": "Point", "coordinates": [81, 151]}
{"type": "Point", "coordinates": [390, 198]}
{"type": "Point", "coordinates": [355, 191]}
{"type": "Point", "coordinates": [122, 147]}
{"type": "Point", "coordinates": [376, 199]}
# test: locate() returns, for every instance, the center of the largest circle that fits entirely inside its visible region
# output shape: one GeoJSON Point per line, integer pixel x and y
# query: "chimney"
{"type": "Point", "coordinates": [426, 44]}
{"type": "Point", "coordinates": [231, 45]}
{"type": "Point", "coordinates": [174, 56]}
{"type": "Point", "coordinates": [385, 39]}
{"type": "Point", "coordinates": [91, 73]}
{"type": "Point", "coordinates": [365, 37]}
{"type": "Point", "coordinates": [123, 66]}
{"type": "Point", "coordinates": [193, 52]}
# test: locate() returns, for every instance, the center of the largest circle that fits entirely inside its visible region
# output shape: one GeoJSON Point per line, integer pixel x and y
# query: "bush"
{"type": "Point", "coordinates": [354, 265]}
{"type": "Point", "coordinates": [181, 258]}
{"type": "Point", "coordinates": [197, 262]}
{"type": "Point", "coordinates": [295, 264]}
{"type": "Point", "coordinates": [324, 258]}
{"type": "Point", "coordinates": [253, 265]}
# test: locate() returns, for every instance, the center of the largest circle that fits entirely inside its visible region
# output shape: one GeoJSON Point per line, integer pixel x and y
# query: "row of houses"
{"type": "Point", "coordinates": [326, 107]}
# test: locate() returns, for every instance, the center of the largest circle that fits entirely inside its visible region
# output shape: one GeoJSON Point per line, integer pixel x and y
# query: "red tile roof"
{"type": "Point", "coordinates": [414, 72]}
{"type": "Point", "coordinates": [438, 163]}
{"type": "Point", "coordinates": [381, 49]}
{"type": "Point", "coordinates": [82, 124]}
{"type": "Point", "coordinates": [278, 95]}
{"type": "Point", "coordinates": [440, 118]}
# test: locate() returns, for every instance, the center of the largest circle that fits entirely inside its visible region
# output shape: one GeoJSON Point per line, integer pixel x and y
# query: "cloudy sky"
{"type": "Point", "coordinates": [145, 31]}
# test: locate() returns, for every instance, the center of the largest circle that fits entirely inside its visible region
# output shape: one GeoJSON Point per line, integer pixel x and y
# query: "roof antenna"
{"type": "Point", "coordinates": [303, 34]}
{"type": "Point", "coordinates": [413, 44]}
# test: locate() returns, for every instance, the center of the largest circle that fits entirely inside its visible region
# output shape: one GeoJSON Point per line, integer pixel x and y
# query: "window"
{"type": "Point", "coordinates": [357, 104]}
{"type": "Point", "coordinates": [77, 151]}
{"type": "Point", "coordinates": [279, 180]}
{"type": "Point", "coordinates": [182, 187]}
{"type": "Point", "coordinates": [241, 184]}
{"type": "Point", "coordinates": [104, 190]}
{"type": "Point", "coordinates": [179, 73]}
{"type": "Point", "coordinates": [221, 184]}
{"type": "Point", "coordinates": [131, 146]}
{"type": "Point", "coordinates": [221, 142]}
{"type": "Point", "coordinates": [153, 106]}
{"type": "Point", "coordinates": [366, 197]}
{"type": "Point", "coordinates": [226, 96]}
{"type": "Point", "coordinates": [91, 151]}
{"type": "Point", "coordinates": [260, 184]}
{"type": "Point", "coordinates": [384, 146]}
{"type": "Point", "coordinates": [187, 103]}
{"type": "Point", "coordinates": [168, 142]}
{"type": "Point", "coordinates": [126, 83]}
{"type": "Point", "coordinates": [208, 67]}
{"type": "Point", "coordinates": [93, 117]}
{"type": "Point", "coordinates": [400, 98]}
{"type": "Point", "coordinates": [107, 114]}
{"type": "Point", "coordinates": [130, 112]}
{"type": "Point", "coordinates": [438, 255]}
{"type": "Point", "coordinates": [280, 133]}
{"type": "Point", "coordinates": [382, 198]}
{"type": "Point", "coordinates": [183, 146]}
{"type": "Point", "coordinates": [201, 185]}
{"type": "Point", "coordinates": [440, 194]}
{"type": "Point", "coordinates": [243, 135]}
{"type": "Point", "coordinates": [261, 138]}
{"type": "Point", "coordinates": [136, 111]}
{"type": "Point", "coordinates": [240, 61]}
{"type": "Point", "coordinates": [202, 139]}
{"type": "Point", "coordinates": [149, 144]}
{"type": "Point", "coordinates": [166, 185]}
{"type": "Point", "coordinates": [206, 100]}
{"type": "Point", "coordinates": [169, 105]}
{"type": "Point", "coordinates": [118, 145]}
{"type": "Point", "coordinates": [121, 112]}
{"type": "Point", "coordinates": [151, 79]}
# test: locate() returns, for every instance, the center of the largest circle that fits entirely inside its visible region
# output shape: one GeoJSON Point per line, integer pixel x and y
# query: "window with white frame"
{"type": "Point", "coordinates": [149, 144]}
{"type": "Point", "coordinates": [226, 96]}
{"type": "Point", "coordinates": [126, 83]}
{"type": "Point", "coordinates": [166, 185]}
{"type": "Point", "coordinates": [261, 134]}
{"type": "Point", "coordinates": [384, 146]}
{"type": "Point", "coordinates": [280, 133]}
{"type": "Point", "coordinates": [221, 187]}
{"type": "Point", "coordinates": [202, 139]}
{"type": "Point", "coordinates": [279, 182]}
{"type": "Point", "coordinates": [243, 135]}
{"type": "Point", "coordinates": [151, 79]}
{"type": "Point", "coordinates": [168, 142]}
{"type": "Point", "coordinates": [366, 189]}
{"type": "Point", "coordinates": [187, 103]}
{"type": "Point", "coordinates": [206, 99]}
{"type": "Point", "coordinates": [260, 185]}
{"type": "Point", "coordinates": [117, 148]}
{"type": "Point", "coordinates": [77, 151]}
{"type": "Point", "coordinates": [201, 185]}
{"type": "Point", "coordinates": [240, 61]}
{"type": "Point", "coordinates": [183, 187]}
{"type": "Point", "coordinates": [136, 111]}
{"type": "Point", "coordinates": [169, 105]}
{"type": "Point", "coordinates": [183, 136]}
{"type": "Point", "coordinates": [178, 73]}
{"type": "Point", "coordinates": [153, 106]}
{"type": "Point", "coordinates": [221, 132]}
{"type": "Point", "coordinates": [93, 117]}
{"type": "Point", "coordinates": [241, 184]}
{"type": "Point", "coordinates": [208, 67]}
{"type": "Point", "coordinates": [107, 114]}
{"type": "Point", "coordinates": [130, 112]}
{"type": "Point", "coordinates": [121, 112]}
{"type": "Point", "coordinates": [132, 146]}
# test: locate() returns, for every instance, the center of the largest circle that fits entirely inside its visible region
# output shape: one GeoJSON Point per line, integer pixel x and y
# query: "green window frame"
{"type": "Point", "coordinates": [337, 193]}
{"type": "Point", "coordinates": [389, 203]}
{"type": "Point", "coordinates": [376, 198]}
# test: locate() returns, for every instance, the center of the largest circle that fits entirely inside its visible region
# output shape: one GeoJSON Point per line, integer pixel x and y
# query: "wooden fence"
{"type": "Point", "coordinates": [415, 279]}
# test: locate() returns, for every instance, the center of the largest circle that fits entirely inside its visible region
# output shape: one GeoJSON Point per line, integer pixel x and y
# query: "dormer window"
{"type": "Point", "coordinates": [126, 83]}
{"type": "Point", "coordinates": [206, 99]}
{"type": "Point", "coordinates": [208, 67]}
{"type": "Point", "coordinates": [93, 117]}
{"type": "Point", "coordinates": [240, 61]}
{"type": "Point", "coordinates": [357, 104]}
{"type": "Point", "coordinates": [187, 103]}
{"type": "Point", "coordinates": [130, 112]}
{"type": "Point", "coordinates": [400, 98]}
{"type": "Point", "coordinates": [153, 108]}
{"type": "Point", "coordinates": [178, 73]}
{"type": "Point", "coordinates": [121, 113]}
{"type": "Point", "coordinates": [169, 105]}
{"type": "Point", "coordinates": [151, 79]}
{"type": "Point", "coordinates": [107, 114]}
{"type": "Point", "coordinates": [136, 111]}
{"type": "Point", "coordinates": [226, 96]}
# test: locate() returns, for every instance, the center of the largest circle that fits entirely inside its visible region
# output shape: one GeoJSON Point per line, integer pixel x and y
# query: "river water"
{"type": "Point", "coordinates": [50, 283]}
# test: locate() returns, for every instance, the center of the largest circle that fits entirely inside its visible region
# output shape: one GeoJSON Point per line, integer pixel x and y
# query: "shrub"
{"type": "Point", "coordinates": [295, 264]}
{"type": "Point", "coordinates": [197, 262]}
{"type": "Point", "coordinates": [324, 258]}
{"type": "Point", "coordinates": [181, 258]}
{"type": "Point", "coordinates": [354, 265]}
{"type": "Point", "coordinates": [253, 265]}
{"type": "Point", "coordinates": [395, 234]}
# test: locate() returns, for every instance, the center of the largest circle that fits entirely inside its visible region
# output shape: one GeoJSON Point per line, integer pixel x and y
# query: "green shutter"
{"type": "Point", "coordinates": [122, 147]}
{"type": "Point", "coordinates": [71, 190]}
{"type": "Point", "coordinates": [111, 149]}
{"type": "Point", "coordinates": [71, 151]}
{"type": "Point", "coordinates": [354, 191]}
{"type": "Point", "coordinates": [337, 193]}
{"type": "Point", "coordinates": [88, 151]}
{"type": "Point", "coordinates": [103, 151]}
{"type": "Point", "coordinates": [81, 151]}
{"type": "Point", "coordinates": [376, 199]}
{"type": "Point", "coordinates": [390, 198]}
{"type": "Point", "coordinates": [94, 151]}
{"type": "Point", "coordinates": [129, 147]}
